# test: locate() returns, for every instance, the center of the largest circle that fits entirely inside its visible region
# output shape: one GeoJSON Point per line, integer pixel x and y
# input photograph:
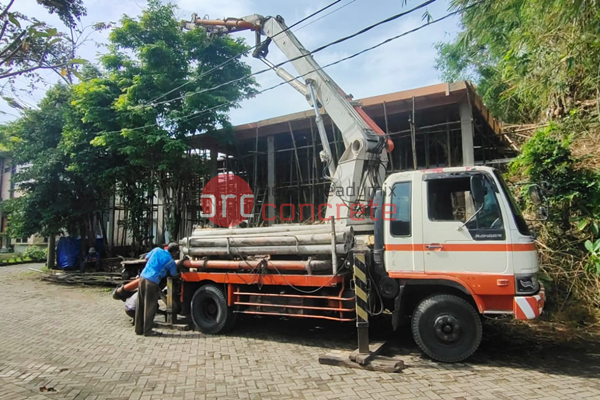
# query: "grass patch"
{"type": "Point", "coordinates": [13, 258]}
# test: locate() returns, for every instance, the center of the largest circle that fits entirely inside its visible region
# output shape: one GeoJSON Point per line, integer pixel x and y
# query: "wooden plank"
{"type": "Point", "coordinates": [379, 363]}
{"type": "Point", "coordinates": [374, 349]}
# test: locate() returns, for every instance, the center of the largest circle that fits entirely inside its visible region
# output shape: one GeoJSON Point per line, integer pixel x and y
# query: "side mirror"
{"type": "Point", "coordinates": [477, 189]}
{"type": "Point", "coordinates": [535, 193]}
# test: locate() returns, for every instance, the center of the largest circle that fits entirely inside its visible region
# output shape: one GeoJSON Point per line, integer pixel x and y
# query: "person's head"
{"type": "Point", "coordinates": [92, 250]}
{"type": "Point", "coordinates": [173, 249]}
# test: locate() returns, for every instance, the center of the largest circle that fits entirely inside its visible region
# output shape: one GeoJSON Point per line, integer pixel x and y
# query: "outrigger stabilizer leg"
{"type": "Point", "coordinates": [367, 355]}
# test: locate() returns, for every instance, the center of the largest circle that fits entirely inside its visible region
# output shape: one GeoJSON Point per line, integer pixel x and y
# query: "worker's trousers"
{"type": "Point", "coordinates": [147, 305]}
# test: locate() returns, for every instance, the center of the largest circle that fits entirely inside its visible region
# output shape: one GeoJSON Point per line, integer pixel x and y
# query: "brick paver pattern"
{"type": "Point", "coordinates": [78, 342]}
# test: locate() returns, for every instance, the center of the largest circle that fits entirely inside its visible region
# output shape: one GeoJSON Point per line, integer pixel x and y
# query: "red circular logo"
{"type": "Point", "coordinates": [227, 200]}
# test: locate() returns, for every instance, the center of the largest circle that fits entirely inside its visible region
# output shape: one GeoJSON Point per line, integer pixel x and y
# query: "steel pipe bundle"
{"type": "Point", "coordinates": [271, 230]}
{"type": "Point", "coordinates": [299, 241]}
{"type": "Point", "coordinates": [262, 240]}
{"type": "Point", "coordinates": [307, 250]}
{"type": "Point", "coordinates": [272, 265]}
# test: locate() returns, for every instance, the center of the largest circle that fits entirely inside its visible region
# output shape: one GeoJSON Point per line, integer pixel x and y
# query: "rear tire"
{"type": "Point", "coordinates": [210, 312]}
{"type": "Point", "coordinates": [446, 328]}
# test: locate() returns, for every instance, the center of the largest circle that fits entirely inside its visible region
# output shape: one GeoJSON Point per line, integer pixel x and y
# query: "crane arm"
{"type": "Point", "coordinates": [362, 165]}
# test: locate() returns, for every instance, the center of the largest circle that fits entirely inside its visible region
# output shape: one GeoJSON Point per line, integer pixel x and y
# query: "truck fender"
{"type": "Point", "coordinates": [450, 282]}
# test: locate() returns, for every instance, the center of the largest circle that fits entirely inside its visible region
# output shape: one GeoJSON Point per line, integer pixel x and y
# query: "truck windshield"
{"type": "Point", "coordinates": [516, 212]}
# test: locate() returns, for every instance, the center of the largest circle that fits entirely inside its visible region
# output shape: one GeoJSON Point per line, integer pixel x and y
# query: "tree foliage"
{"type": "Point", "coordinates": [529, 57]}
{"type": "Point", "coordinates": [127, 128]}
{"type": "Point", "coordinates": [159, 70]}
{"type": "Point", "coordinates": [28, 45]}
{"type": "Point", "coordinates": [537, 61]}
{"type": "Point", "coordinates": [570, 255]}
{"type": "Point", "coordinates": [57, 197]}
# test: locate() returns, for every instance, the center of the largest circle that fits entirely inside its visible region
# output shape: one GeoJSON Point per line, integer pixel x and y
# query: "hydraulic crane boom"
{"type": "Point", "coordinates": [361, 168]}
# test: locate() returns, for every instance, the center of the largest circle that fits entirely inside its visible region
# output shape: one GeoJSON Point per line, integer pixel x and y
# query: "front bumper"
{"type": "Point", "coordinates": [529, 307]}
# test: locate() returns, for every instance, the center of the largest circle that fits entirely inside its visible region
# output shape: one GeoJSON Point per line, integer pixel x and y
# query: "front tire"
{"type": "Point", "coordinates": [209, 310]}
{"type": "Point", "coordinates": [446, 328]}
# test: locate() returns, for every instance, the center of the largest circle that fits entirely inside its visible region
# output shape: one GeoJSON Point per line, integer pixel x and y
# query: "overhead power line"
{"type": "Point", "coordinates": [195, 114]}
{"type": "Point", "coordinates": [324, 16]}
{"type": "Point", "coordinates": [318, 49]}
{"type": "Point", "coordinates": [230, 59]}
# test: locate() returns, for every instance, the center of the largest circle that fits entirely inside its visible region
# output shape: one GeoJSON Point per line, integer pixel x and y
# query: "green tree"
{"type": "Point", "coordinates": [157, 71]}
{"type": "Point", "coordinates": [56, 197]}
{"type": "Point", "coordinates": [125, 129]}
{"type": "Point", "coordinates": [528, 57]}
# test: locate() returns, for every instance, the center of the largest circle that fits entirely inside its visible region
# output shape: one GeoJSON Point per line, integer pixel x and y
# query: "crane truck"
{"type": "Point", "coordinates": [437, 248]}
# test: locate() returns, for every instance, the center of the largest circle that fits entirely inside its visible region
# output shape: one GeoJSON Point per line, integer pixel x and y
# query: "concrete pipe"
{"type": "Point", "coordinates": [267, 250]}
{"type": "Point", "coordinates": [272, 265]}
{"type": "Point", "coordinates": [283, 240]}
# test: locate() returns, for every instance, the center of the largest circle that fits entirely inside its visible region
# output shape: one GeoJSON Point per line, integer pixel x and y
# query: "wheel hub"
{"type": "Point", "coordinates": [447, 328]}
{"type": "Point", "coordinates": [209, 309]}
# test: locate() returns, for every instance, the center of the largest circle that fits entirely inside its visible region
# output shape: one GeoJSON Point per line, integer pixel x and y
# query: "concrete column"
{"type": "Point", "coordinates": [467, 132]}
{"type": "Point", "coordinates": [270, 211]}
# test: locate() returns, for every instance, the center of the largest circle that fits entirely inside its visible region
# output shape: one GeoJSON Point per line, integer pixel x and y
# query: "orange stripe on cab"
{"type": "Point", "coordinates": [463, 247]}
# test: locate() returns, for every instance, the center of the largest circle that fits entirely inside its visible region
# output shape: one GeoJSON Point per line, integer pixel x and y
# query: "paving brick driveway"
{"type": "Point", "coordinates": [80, 343]}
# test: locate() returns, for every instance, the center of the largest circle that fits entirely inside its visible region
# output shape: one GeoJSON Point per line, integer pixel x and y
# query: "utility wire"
{"type": "Point", "coordinates": [185, 117]}
{"type": "Point", "coordinates": [318, 49]}
{"type": "Point", "coordinates": [326, 15]}
{"type": "Point", "coordinates": [230, 59]}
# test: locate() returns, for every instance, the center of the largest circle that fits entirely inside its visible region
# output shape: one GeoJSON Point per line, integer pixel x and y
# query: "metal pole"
{"type": "Point", "coordinates": [314, 163]}
{"type": "Point", "coordinates": [334, 260]}
{"type": "Point", "coordinates": [362, 315]}
{"type": "Point", "coordinates": [255, 180]}
{"type": "Point", "coordinates": [271, 177]}
{"type": "Point", "coordinates": [427, 155]}
{"type": "Point", "coordinates": [322, 130]}
{"type": "Point", "coordinates": [448, 142]}
{"type": "Point", "coordinates": [171, 316]}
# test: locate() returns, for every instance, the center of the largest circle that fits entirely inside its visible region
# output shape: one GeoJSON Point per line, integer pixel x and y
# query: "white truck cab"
{"type": "Point", "coordinates": [456, 231]}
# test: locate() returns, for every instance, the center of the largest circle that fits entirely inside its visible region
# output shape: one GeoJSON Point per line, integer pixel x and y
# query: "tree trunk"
{"type": "Point", "coordinates": [51, 252]}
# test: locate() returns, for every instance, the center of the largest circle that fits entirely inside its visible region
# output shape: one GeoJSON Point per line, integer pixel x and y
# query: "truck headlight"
{"type": "Point", "coordinates": [527, 284]}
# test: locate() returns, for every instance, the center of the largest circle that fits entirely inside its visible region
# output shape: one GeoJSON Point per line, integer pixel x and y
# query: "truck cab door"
{"type": "Point", "coordinates": [463, 227]}
{"type": "Point", "coordinates": [401, 225]}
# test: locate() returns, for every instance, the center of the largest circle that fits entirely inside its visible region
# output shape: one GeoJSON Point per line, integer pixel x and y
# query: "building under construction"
{"type": "Point", "coordinates": [434, 126]}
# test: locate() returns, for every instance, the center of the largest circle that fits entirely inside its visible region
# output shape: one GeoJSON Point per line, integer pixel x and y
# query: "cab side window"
{"type": "Point", "coordinates": [400, 209]}
{"type": "Point", "coordinates": [450, 199]}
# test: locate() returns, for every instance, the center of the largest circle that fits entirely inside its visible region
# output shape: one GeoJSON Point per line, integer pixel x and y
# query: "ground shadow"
{"type": "Point", "coordinates": [501, 347]}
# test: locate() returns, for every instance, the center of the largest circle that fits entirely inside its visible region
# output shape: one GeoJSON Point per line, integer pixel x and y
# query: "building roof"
{"type": "Point", "coordinates": [442, 94]}
{"type": "Point", "coordinates": [397, 102]}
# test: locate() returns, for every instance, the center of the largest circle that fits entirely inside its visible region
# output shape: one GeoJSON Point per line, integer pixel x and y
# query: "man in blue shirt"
{"type": "Point", "coordinates": [159, 263]}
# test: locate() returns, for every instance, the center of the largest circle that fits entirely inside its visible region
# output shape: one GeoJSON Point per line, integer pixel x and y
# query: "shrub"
{"type": "Point", "coordinates": [35, 253]}
{"type": "Point", "coordinates": [569, 240]}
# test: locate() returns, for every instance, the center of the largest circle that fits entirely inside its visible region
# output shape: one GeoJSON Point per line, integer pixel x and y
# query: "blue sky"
{"type": "Point", "coordinates": [403, 64]}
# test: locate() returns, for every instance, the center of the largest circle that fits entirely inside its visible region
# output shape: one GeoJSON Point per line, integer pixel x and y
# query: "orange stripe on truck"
{"type": "Point", "coordinates": [490, 291]}
{"type": "Point", "coordinates": [464, 247]}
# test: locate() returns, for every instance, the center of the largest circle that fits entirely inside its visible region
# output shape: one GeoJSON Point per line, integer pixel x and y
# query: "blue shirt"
{"type": "Point", "coordinates": [159, 262]}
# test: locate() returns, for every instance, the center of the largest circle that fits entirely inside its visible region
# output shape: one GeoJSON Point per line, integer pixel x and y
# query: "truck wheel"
{"type": "Point", "coordinates": [446, 328]}
{"type": "Point", "coordinates": [209, 310]}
